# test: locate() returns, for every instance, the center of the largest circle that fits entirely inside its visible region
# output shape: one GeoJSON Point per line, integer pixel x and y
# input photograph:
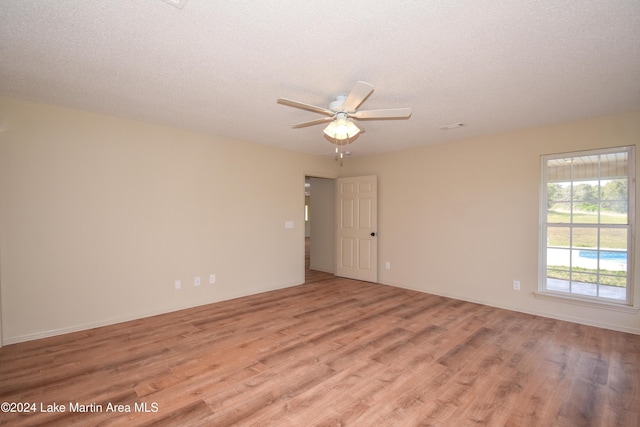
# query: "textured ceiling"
{"type": "Point", "coordinates": [219, 66]}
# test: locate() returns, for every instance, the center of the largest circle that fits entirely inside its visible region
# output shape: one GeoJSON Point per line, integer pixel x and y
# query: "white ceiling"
{"type": "Point", "coordinates": [219, 66]}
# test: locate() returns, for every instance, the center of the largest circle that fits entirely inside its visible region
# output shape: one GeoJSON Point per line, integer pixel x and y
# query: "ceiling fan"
{"type": "Point", "coordinates": [345, 108]}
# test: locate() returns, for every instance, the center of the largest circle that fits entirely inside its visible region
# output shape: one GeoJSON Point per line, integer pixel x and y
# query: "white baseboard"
{"type": "Point", "coordinates": [322, 269]}
{"type": "Point", "coordinates": [571, 319]}
{"type": "Point", "coordinates": [113, 321]}
{"type": "Point", "coordinates": [107, 322]}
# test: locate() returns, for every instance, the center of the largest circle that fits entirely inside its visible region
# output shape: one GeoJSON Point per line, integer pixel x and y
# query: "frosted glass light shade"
{"type": "Point", "coordinates": [341, 129]}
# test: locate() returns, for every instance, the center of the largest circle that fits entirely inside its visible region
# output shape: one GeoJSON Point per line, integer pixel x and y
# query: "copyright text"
{"type": "Point", "coordinates": [27, 407]}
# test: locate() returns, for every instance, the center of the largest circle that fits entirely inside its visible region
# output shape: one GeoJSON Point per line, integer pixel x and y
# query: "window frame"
{"type": "Point", "coordinates": [543, 291]}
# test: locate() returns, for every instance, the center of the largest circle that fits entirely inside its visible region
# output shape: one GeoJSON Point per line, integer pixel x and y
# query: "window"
{"type": "Point", "coordinates": [587, 222]}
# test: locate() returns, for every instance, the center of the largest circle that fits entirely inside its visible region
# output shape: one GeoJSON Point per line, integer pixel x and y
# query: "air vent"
{"type": "Point", "coordinates": [176, 3]}
{"type": "Point", "coordinates": [452, 126]}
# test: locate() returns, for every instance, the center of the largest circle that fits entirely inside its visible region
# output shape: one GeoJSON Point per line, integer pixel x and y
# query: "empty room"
{"type": "Point", "coordinates": [380, 213]}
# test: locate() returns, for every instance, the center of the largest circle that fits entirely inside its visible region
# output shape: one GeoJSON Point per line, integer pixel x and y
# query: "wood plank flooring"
{"type": "Point", "coordinates": [312, 276]}
{"type": "Point", "coordinates": [334, 352]}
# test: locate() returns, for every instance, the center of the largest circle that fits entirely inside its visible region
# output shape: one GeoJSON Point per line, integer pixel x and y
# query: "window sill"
{"type": "Point", "coordinates": [587, 302]}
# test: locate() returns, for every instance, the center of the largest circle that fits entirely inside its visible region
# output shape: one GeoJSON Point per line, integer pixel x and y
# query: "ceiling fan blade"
{"type": "Point", "coordinates": [359, 93]}
{"type": "Point", "coordinates": [312, 122]}
{"type": "Point", "coordinates": [298, 104]}
{"type": "Point", "coordinates": [392, 113]}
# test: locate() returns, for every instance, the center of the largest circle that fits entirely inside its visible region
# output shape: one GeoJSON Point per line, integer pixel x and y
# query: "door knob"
{"type": "Point", "coordinates": [373, 234]}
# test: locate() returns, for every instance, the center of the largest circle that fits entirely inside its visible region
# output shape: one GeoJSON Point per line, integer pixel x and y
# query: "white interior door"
{"type": "Point", "coordinates": [357, 222]}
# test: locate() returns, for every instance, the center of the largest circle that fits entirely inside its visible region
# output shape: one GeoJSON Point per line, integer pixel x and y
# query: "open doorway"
{"type": "Point", "coordinates": [319, 228]}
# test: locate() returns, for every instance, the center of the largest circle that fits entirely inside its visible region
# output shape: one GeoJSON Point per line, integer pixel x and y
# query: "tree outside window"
{"type": "Point", "coordinates": [587, 224]}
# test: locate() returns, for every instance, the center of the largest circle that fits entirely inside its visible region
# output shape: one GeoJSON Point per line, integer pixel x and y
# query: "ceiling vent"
{"type": "Point", "coordinates": [452, 126]}
{"type": "Point", "coordinates": [176, 3]}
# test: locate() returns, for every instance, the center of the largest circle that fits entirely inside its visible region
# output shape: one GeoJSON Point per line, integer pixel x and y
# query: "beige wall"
{"type": "Point", "coordinates": [99, 216]}
{"type": "Point", "coordinates": [461, 219]}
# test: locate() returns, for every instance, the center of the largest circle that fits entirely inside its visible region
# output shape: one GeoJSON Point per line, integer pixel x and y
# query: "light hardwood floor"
{"type": "Point", "coordinates": [334, 352]}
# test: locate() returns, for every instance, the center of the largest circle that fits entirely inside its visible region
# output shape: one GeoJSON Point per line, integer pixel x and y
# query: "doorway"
{"type": "Point", "coordinates": [319, 228]}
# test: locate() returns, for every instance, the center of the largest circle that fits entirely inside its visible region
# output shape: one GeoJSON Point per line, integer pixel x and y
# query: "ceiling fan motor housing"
{"type": "Point", "coordinates": [337, 104]}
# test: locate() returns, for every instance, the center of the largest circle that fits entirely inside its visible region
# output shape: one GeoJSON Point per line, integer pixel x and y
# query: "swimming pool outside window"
{"type": "Point", "coordinates": [587, 213]}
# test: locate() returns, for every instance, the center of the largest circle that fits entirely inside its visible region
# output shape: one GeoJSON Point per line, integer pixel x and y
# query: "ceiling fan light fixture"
{"type": "Point", "coordinates": [341, 129]}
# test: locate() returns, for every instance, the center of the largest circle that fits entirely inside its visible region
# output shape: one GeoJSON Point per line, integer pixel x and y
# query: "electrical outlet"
{"type": "Point", "coordinates": [212, 279]}
{"type": "Point", "coordinates": [516, 285]}
{"type": "Point", "coordinates": [196, 281]}
{"type": "Point", "coordinates": [387, 265]}
{"type": "Point", "coordinates": [178, 284]}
